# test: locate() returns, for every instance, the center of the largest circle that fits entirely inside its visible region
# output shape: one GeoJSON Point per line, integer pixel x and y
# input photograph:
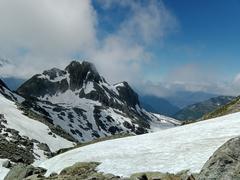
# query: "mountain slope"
{"type": "Point", "coordinates": [196, 111]}
{"type": "Point", "coordinates": [158, 105]}
{"type": "Point", "coordinates": [22, 139]}
{"type": "Point", "coordinates": [171, 150]}
{"type": "Point", "coordinates": [81, 102]}
{"type": "Point", "coordinates": [229, 108]}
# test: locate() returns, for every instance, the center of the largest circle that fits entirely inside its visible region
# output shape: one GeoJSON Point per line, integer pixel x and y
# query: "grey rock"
{"type": "Point", "coordinates": [21, 171]}
{"type": "Point", "coordinates": [224, 164]}
{"type": "Point", "coordinates": [6, 164]}
{"type": "Point", "coordinates": [17, 149]}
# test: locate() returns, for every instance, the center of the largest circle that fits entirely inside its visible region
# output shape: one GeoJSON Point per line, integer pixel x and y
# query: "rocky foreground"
{"type": "Point", "coordinates": [224, 164]}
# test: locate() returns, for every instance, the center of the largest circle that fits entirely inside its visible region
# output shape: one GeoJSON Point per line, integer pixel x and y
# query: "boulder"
{"type": "Point", "coordinates": [224, 164]}
{"type": "Point", "coordinates": [21, 171]}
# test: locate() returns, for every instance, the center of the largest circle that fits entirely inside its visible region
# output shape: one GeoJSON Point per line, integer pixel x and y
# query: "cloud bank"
{"type": "Point", "coordinates": [41, 34]}
{"type": "Point", "coordinates": [37, 35]}
{"type": "Point", "coordinates": [192, 78]}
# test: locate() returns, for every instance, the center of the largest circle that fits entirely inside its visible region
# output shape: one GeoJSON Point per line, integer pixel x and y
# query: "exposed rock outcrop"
{"type": "Point", "coordinates": [224, 164]}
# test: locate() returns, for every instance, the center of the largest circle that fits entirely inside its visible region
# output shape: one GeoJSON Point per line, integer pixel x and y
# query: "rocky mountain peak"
{"type": "Point", "coordinates": [84, 81]}
{"type": "Point", "coordinates": [82, 72]}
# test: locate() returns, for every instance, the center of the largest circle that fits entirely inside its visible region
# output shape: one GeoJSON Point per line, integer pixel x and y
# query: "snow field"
{"type": "Point", "coordinates": [171, 150]}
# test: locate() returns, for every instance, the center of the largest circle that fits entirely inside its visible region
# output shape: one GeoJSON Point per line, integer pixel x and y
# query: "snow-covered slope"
{"type": "Point", "coordinates": [171, 150]}
{"type": "Point", "coordinates": [30, 128]}
{"type": "Point", "coordinates": [23, 139]}
{"type": "Point", "coordinates": [80, 101]}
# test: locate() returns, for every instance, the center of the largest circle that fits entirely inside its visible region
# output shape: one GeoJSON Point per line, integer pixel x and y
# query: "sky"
{"type": "Point", "coordinates": [159, 46]}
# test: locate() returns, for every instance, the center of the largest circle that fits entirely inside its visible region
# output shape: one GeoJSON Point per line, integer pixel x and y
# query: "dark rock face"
{"type": "Point", "coordinates": [39, 87]}
{"type": "Point", "coordinates": [224, 164]}
{"type": "Point", "coordinates": [128, 95]}
{"type": "Point", "coordinates": [80, 72]}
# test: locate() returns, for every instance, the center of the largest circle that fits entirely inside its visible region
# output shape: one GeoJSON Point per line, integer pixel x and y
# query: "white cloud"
{"type": "Point", "coordinates": [193, 78]}
{"type": "Point", "coordinates": [47, 26]}
{"type": "Point", "coordinates": [40, 34]}
{"type": "Point", "coordinates": [123, 53]}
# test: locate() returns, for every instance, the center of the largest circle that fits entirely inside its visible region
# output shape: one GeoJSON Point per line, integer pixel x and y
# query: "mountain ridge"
{"type": "Point", "coordinates": [198, 110]}
{"type": "Point", "coordinates": [81, 101]}
{"type": "Point", "coordinates": [229, 108]}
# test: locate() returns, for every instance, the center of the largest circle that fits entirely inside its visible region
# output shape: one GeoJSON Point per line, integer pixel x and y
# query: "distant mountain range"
{"type": "Point", "coordinates": [170, 105]}
{"type": "Point", "coordinates": [182, 99]}
{"type": "Point", "coordinates": [197, 110]}
{"type": "Point", "coordinates": [229, 108]}
{"type": "Point", "coordinates": [158, 105]}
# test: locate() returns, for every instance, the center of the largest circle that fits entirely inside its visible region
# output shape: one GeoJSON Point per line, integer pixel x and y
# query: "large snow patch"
{"type": "Point", "coordinates": [171, 150]}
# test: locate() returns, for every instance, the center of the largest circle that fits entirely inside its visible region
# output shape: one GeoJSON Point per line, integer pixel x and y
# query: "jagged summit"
{"type": "Point", "coordinates": [55, 80]}
{"type": "Point", "coordinates": [82, 72]}
{"type": "Point", "coordinates": [79, 100]}
{"type": "Point", "coordinates": [81, 79]}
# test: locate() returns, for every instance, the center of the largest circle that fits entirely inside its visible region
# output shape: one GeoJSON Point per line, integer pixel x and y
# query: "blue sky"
{"type": "Point", "coordinates": [207, 35]}
{"type": "Point", "coordinates": [159, 46]}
